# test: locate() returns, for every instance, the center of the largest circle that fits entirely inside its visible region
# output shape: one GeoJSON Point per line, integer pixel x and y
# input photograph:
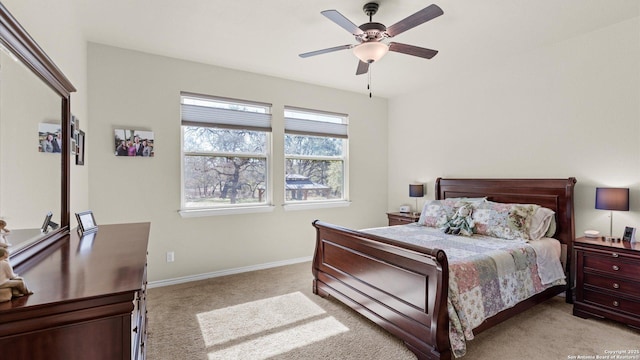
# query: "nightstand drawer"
{"type": "Point", "coordinates": [402, 218]}
{"type": "Point", "coordinates": [612, 265]}
{"type": "Point", "coordinates": [612, 303]}
{"type": "Point", "coordinates": [620, 286]}
{"type": "Point", "coordinates": [400, 221]}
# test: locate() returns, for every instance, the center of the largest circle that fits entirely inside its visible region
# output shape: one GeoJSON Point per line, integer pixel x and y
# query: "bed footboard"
{"type": "Point", "coordinates": [400, 287]}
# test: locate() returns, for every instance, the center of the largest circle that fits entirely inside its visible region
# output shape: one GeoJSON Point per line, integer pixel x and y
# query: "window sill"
{"type": "Point", "coordinates": [315, 205]}
{"type": "Point", "coordinates": [191, 213]}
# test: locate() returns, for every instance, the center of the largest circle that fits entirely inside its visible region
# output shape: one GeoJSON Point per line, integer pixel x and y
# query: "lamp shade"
{"type": "Point", "coordinates": [370, 51]}
{"type": "Point", "coordinates": [612, 199]}
{"type": "Point", "coordinates": [416, 190]}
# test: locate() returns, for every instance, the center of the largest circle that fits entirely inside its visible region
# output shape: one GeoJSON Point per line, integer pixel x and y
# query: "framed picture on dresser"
{"type": "Point", "coordinates": [629, 234]}
{"type": "Point", "coordinates": [86, 222]}
{"type": "Point", "coordinates": [47, 222]}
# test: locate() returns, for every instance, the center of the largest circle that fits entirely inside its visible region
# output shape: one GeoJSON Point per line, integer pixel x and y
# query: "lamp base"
{"type": "Point", "coordinates": [611, 224]}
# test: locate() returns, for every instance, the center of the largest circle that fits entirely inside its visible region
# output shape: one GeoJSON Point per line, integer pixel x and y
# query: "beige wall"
{"type": "Point", "coordinates": [569, 109]}
{"type": "Point", "coordinates": [137, 90]}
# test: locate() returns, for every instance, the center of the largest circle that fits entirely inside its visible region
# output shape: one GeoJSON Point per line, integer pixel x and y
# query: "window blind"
{"type": "Point", "coordinates": [200, 115]}
{"type": "Point", "coordinates": [334, 126]}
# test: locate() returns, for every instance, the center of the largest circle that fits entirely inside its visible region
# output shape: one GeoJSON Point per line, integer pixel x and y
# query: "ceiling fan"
{"type": "Point", "coordinates": [370, 36]}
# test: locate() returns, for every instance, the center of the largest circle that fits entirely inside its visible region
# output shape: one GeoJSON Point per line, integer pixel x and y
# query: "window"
{"type": "Point", "coordinates": [225, 152]}
{"type": "Point", "coordinates": [315, 150]}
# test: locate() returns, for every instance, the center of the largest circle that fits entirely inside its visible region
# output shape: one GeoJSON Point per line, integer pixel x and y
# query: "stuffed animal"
{"type": "Point", "coordinates": [3, 225]}
{"type": "Point", "coordinates": [3, 230]}
{"type": "Point", "coordinates": [11, 285]}
{"type": "Point", "coordinates": [461, 223]}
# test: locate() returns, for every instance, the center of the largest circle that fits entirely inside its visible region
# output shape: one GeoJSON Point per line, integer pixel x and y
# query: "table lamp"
{"type": "Point", "coordinates": [416, 191]}
{"type": "Point", "coordinates": [612, 199]}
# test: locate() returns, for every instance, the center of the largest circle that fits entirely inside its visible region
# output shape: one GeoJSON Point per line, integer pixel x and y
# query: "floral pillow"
{"type": "Point", "coordinates": [436, 213]}
{"type": "Point", "coordinates": [506, 221]}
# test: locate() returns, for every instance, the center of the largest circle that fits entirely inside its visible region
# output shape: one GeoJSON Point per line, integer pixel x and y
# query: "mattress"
{"type": "Point", "coordinates": [486, 274]}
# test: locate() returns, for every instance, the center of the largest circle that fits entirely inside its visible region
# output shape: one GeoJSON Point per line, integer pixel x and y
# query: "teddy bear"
{"type": "Point", "coordinates": [461, 223]}
{"type": "Point", "coordinates": [11, 285]}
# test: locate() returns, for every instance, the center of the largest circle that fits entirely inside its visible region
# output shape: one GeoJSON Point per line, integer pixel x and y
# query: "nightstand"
{"type": "Point", "coordinates": [398, 218]}
{"type": "Point", "coordinates": [607, 280]}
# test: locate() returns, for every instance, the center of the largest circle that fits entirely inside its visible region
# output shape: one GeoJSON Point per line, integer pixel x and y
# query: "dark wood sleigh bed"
{"type": "Point", "coordinates": [404, 288]}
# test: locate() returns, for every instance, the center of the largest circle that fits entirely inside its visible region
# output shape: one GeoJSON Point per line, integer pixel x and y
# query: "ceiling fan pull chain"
{"type": "Point", "coordinates": [369, 80]}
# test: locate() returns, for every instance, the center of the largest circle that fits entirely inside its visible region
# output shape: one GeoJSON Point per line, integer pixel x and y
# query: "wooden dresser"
{"type": "Point", "coordinates": [89, 299]}
{"type": "Point", "coordinates": [607, 280]}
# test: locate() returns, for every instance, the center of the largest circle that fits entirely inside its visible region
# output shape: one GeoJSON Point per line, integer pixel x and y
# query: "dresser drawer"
{"type": "Point", "coordinates": [612, 303]}
{"type": "Point", "coordinates": [616, 266]}
{"type": "Point", "coordinates": [621, 286]}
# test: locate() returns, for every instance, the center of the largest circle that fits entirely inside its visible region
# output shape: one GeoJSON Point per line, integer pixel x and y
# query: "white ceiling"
{"type": "Point", "coordinates": [267, 36]}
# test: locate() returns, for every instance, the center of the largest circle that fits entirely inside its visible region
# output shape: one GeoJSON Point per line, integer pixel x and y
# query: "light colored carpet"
{"type": "Point", "coordinates": [272, 314]}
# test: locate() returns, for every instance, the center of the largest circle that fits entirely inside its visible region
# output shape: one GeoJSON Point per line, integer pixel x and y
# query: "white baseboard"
{"type": "Point", "coordinates": [214, 274]}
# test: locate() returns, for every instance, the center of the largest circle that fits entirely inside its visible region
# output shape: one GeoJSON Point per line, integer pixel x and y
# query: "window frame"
{"type": "Point", "coordinates": [331, 131]}
{"type": "Point", "coordinates": [187, 120]}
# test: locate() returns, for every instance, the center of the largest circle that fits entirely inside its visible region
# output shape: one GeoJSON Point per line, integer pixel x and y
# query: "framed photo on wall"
{"type": "Point", "coordinates": [49, 138]}
{"type": "Point", "coordinates": [80, 148]}
{"type": "Point", "coordinates": [134, 143]}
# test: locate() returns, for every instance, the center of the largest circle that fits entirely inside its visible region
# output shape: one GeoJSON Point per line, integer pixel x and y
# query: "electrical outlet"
{"type": "Point", "coordinates": [170, 256]}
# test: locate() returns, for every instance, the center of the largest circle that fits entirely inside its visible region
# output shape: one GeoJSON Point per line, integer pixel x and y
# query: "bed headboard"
{"type": "Point", "coordinates": [555, 194]}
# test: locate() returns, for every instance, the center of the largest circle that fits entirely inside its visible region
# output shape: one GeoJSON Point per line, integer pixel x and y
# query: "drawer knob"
{"type": "Point", "coordinates": [615, 267]}
{"type": "Point", "coordinates": [616, 286]}
{"type": "Point", "coordinates": [615, 255]}
{"type": "Point", "coordinates": [615, 303]}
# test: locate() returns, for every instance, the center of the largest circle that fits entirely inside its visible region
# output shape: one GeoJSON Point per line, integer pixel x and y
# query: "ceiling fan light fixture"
{"type": "Point", "coordinates": [370, 51]}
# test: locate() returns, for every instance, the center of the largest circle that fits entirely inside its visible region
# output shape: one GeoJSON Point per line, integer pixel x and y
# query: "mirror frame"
{"type": "Point", "coordinates": [16, 40]}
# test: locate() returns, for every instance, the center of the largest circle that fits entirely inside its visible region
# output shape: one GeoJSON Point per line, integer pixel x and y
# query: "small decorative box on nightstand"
{"type": "Point", "coordinates": [607, 280]}
{"type": "Point", "coordinates": [398, 218]}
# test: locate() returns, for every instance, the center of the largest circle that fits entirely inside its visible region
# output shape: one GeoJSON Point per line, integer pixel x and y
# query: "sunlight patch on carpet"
{"type": "Point", "coordinates": [243, 320]}
{"type": "Point", "coordinates": [267, 346]}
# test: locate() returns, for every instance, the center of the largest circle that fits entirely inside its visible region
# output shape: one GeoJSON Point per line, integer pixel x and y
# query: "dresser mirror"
{"type": "Point", "coordinates": [34, 110]}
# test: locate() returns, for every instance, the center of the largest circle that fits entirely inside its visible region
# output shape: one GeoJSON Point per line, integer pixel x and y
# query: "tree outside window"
{"type": "Point", "coordinates": [315, 155]}
{"type": "Point", "coordinates": [225, 152]}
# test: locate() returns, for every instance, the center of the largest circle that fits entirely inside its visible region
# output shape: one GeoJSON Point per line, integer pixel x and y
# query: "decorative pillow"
{"type": "Point", "coordinates": [436, 213]}
{"type": "Point", "coordinates": [540, 223]}
{"type": "Point", "coordinates": [506, 221]}
{"type": "Point", "coordinates": [551, 231]}
{"type": "Point", "coordinates": [461, 223]}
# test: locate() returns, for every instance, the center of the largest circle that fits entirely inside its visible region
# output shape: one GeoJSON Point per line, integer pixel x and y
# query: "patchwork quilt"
{"type": "Point", "coordinates": [486, 274]}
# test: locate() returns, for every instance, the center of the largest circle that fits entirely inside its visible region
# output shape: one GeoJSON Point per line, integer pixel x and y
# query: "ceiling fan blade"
{"type": "Point", "coordinates": [341, 20]}
{"type": "Point", "coordinates": [363, 67]}
{"type": "Point", "coordinates": [324, 51]}
{"type": "Point", "coordinates": [422, 16]}
{"type": "Point", "coordinates": [412, 50]}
